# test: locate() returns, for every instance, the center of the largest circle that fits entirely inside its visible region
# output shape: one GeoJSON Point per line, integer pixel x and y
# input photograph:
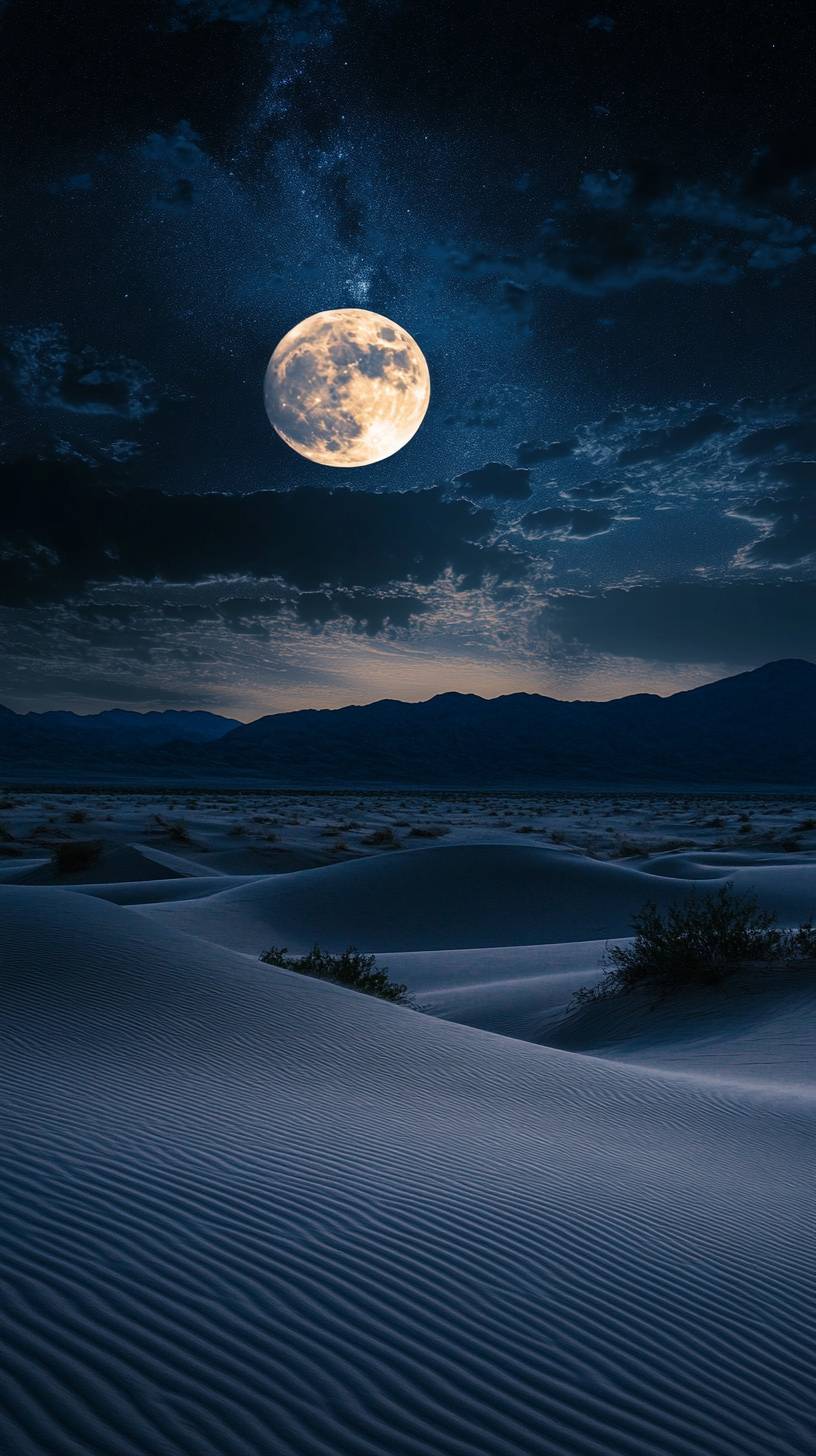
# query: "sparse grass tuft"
{"type": "Point", "coordinates": [350, 968]}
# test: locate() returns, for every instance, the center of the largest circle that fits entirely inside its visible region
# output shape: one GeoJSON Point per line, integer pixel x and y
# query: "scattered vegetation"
{"type": "Point", "coordinates": [699, 943]}
{"type": "Point", "coordinates": [78, 816]}
{"type": "Point", "coordinates": [75, 855]}
{"type": "Point", "coordinates": [385, 838]}
{"type": "Point", "coordinates": [177, 831]}
{"type": "Point", "coordinates": [350, 968]}
{"type": "Point", "coordinates": [429, 831]}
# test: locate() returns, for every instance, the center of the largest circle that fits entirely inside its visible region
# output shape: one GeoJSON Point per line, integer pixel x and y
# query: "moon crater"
{"type": "Point", "coordinates": [347, 387]}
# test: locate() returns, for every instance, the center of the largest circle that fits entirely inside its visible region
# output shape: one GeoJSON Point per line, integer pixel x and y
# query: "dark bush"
{"type": "Point", "coordinates": [75, 855]}
{"type": "Point", "coordinates": [699, 943]}
{"type": "Point", "coordinates": [385, 838]}
{"type": "Point", "coordinates": [177, 830]}
{"type": "Point", "coordinates": [351, 968]}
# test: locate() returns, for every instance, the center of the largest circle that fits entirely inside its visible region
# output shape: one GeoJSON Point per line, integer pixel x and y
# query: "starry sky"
{"type": "Point", "coordinates": [600, 226]}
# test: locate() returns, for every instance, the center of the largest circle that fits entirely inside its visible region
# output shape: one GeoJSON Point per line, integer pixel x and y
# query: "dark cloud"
{"type": "Point", "coordinates": [798, 437]}
{"type": "Point", "coordinates": [370, 613]}
{"type": "Point", "coordinates": [676, 440]}
{"type": "Point", "coordinates": [40, 369]}
{"type": "Point", "coordinates": [503, 482]}
{"type": "Point", "coordinates": [741, 623]}
{"type": "Point", "coordinates": [624, 228]}
{"type": "Point", "coordinates": [567, 524]}
{"type": "Point", "coordinates": [60, 530]}
{"type": "Point", "coordinates": [784, 160]}
{"type": "Point", "coordinates": [299, 23]}
{"type": "Point", "coordinates": [597, 490]}
{"type": "Point", "coordinates": [533, 452]}
{"type": "Point", "coordinates": [788, 518]}
{"type": "Point", "coordinates": [177, 164]}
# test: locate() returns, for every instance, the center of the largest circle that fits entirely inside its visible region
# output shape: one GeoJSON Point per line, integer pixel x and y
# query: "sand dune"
{"type": "Point", "coordinates": [155, 892]}
{"type": "Point", "coordinates": [446, 897]}
{"type": "Point", "coordinates": [761, 1029]}
{"type": "Point", "coordinates": [520, 990]}
{"type": "Point", "coordinates": [118, 862]}
{"type": "Point", "coordinates": [252, 1213]}
{"type": "Point", "coordinates": [460, 896]}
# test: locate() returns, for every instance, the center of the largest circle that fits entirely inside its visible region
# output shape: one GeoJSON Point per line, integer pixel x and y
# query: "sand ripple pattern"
{"type": "Point", "coordinates": [246, 1214]}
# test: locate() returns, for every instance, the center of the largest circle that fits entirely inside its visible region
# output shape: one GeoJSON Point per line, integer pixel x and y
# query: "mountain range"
{"type": "Point", "coordinates": [755, 728]}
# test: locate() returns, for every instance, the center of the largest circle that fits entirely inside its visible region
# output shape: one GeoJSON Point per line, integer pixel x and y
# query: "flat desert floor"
{"type": "Point", "coordinates": [248, 1213]}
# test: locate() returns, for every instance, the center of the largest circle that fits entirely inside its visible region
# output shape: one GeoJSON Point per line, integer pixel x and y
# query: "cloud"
{"type": "Point", "coordinates": [568, 524]}
{"type": "Point", "coordinates": [74, 182]}
{"type": "Point", "coordinates": [532, 452]}
{"type": "Point", "coordinates": [177, 163]}
{"type": "Point", "coordinates": [299, 24]}
{"type": "Point", "coordinates": [61, 530]}
{"type": "Point", "coordinates": [788, 157]}
{"type": "Point", "coordinates": [622, 229]}
{"type": "Point", "coordinates": [597, 490]}
{"type": "Point", "coordinates": [676, 440]}
{"type": "Point", "coordinates": [368, 612]}
{"type": "Point", "coordinates": [40, 369]}
{"type": "Point", "coordinates": [788, 518]}
{"type": "Point", "coordinates": [794, 438]}
{"type": "Point", "coordinates": [503, 482]}
{"type": "Point", "coordinates": [738, 623]}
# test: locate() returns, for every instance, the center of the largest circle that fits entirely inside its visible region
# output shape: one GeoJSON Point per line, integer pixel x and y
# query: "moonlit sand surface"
{"type": "Point", "coordinates": [249, 1213]}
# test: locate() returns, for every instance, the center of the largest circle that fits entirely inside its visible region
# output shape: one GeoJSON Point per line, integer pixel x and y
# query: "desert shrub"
{"type": "Point", "coordinates": [78, 816]}
{"type": "Point", "coordinates": [177, 830]}
{"type": "Point", "coordinates": [350, 968]}
{"type": "Point", "coordinates": [806, 825]}
{"type": "Point", "coordinates": [75, 855]}
{"type": "Point", "coordinates": [429, 831]}
{"type": "Point", "coordinates": [699, 943]}
{"type": "Point", "coordinates": [385, 838]}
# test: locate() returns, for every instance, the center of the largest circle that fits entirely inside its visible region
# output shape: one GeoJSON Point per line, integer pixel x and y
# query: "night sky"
{"type": "Point", "coordinates": [600, 226]}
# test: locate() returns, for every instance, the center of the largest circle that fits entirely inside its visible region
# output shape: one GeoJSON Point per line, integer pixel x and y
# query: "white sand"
{"type": "Point", "coordinates": [251, 1214]}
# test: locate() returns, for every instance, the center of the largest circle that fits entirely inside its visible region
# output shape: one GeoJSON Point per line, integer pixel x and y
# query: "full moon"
{"type": "Point", "coordinates": [347, 387]}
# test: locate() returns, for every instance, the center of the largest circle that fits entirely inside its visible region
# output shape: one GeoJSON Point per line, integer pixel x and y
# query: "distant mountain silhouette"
{"type": "Point", "coordinates": [756, 728]}
{"type": "Point", "coordinates": [97, 742]}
